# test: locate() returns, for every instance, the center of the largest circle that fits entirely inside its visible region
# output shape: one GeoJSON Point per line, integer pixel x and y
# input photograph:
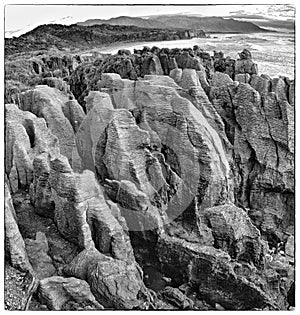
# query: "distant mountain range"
{"type": "Point", "coordinates": [207, 24]}
{"type": "Point", "coordinates": [270, 24]}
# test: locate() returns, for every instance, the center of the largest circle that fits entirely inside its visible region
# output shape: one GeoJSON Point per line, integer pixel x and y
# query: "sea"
{"type": "Point", "coordinates": [273, 52]}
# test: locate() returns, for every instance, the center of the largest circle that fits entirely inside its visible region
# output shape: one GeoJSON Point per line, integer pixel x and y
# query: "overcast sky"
{"type": "Point", "coordinates": [23, 18]}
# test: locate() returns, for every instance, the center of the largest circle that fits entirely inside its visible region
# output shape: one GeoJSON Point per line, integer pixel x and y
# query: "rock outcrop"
{"type": "Point", "coordinates": [234, 233]}
{"type": "Point", "coordinates": [210, 270]}
{"type": "Point", "coordinates": [14, 243]}
{"type": "Point", "coordinates": [175, 174]}
{"type": "Point", "coordinates": [56, 291]}
{"type": "Point", "coordinates": [245, 64]}
{"type": "Point", "coordinates": [26, 136]}
{"type": "Point", "coordinates": [259, 126]}
{"type": "Point", "coordinates": [115, 283]}
{"type": "Point", "coordinates": [37, 251]}
{"type": "Point", "coordinates": [63, 116]}
{"type": "Point", "coordinates": [175, 296]}
{"type": "Point", "coordinates": [84, 217]}
{"type": "Point", "coordinates": [126, 143]}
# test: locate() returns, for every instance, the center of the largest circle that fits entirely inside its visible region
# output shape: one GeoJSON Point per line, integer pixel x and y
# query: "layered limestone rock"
{"type": "Point", "coordinates": [148, 61]}
{"type": "Point", "coordinates": [84, 217]}
{"type": "Point", "coordinates": [259, 126]}
{"type": "Point", "coordinates": [56, 291]}
{"type": "Point", "coordinates": [214, 275]}
{"type": "Point", "coordinates": [82, 214]}
{"type": "Point", "coordinates": [154, 172]}
{"type": "Point", "coordinates": [63, 116]}
{"type": "Point", "coordinates": [175, 296]}
{"type": "Point", "coordinates": [26, 136]}
{"type": "Point", "coordinates": [234, 233]}
{"type": "Point", "coordinates": [37, 251]}
{"type": "Point", "coordinates": [14, 244]}
{"type": "Point", "coordinates": [137, 147]}
{"type": "Point", "coordinates": [114, 283]}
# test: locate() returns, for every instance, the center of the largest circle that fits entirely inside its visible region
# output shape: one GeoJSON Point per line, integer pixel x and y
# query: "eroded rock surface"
{"type": "Point", "coordinates": [181, 172]}
{"type": "Point", "coordinates": [26, 136]}
{"type": "Point", "coordinates": [61, 115]}
{"type": "Point", "coordinates": [57, 291]}
{"type": "Point", "coordinates": [14, 243]}
{"type": "Point", "coordinates": [260, 128]}
{"type": "Point", "coordinates": [37, 251]}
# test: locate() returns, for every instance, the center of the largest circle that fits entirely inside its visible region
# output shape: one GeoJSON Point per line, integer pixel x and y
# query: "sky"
{"type": "Point", "coordinates": [22, 18]}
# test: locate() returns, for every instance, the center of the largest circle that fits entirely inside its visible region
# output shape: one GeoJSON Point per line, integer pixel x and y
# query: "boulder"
{"type": "Point", "coordinates": [114, 283]}
{"type": "Point", "coordinates": [56, 291]}
{"type": "Point", "coordinates": [211, 272]}
{"type": "Point", "coordinates": [234, 233]}
{"type": "Point", "coordinates": [176, 297]}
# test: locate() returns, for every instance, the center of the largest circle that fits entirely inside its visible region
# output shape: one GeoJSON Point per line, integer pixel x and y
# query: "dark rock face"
{"type": "Point", "coordinates": [178, 178]}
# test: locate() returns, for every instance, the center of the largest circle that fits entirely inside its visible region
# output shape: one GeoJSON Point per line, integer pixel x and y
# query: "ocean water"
{"type": "Point", "coordinates": [273, 52]}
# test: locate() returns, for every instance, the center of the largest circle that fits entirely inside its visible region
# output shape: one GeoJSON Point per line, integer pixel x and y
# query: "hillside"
{"type": "Point", "coordinates": [208, 24]}
{"type": "Point", "coordinates": [75, 37]}
{"type": "Point", "coordinates": [126, 20]}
